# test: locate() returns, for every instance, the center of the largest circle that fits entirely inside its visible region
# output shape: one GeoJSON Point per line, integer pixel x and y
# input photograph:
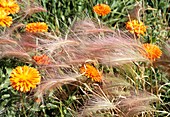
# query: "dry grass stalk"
{"type": "Point", "coordinates": [135, 104]}
{"type": "Point", "coordinates": [52, 83]}
{"type": "Point", "coordinates": [115, 86]}
{"type": "Point", "coordinates": [10, 51]}
{"type": "Point", "coordinates": [31, 11]}
{"type": "Point", "coordinates": [96, 104]}
{"type": "Point", "coordinates": [105, 45]}
{"type": "Point", "coordinates": [7, 41]}
{"type": "Point", "coordinates": [164, 61]}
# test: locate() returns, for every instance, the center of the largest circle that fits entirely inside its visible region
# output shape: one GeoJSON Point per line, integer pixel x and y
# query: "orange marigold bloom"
{"type": "Point", "coordinates": [5, 20]}
{"type": "Point", "coordinates": [136, 27]}
{"type": "Point", "coordinates": [91, 72]}
{"type": "Point", "coordinates": [37, 27]}
{"type": "Point", "coordinates": [152, 52]}
{"type": "Point", "coordinates": [23, 78]}
{"type": "Point", "coordinates": [102, 9]}
{"type": "Point", "coordinates": [42, 60]}
{"type": "Point", "coordinates": [10, 6]}
{"type": "Point", "coordinates": [38, 100]}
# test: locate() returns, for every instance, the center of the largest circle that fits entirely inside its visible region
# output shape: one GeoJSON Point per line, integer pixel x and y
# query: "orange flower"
{"type": "Point", "coordinates": [136, 27]}
{"type": "Point", "coordinates": [102, 9]}
{"type": "Point", "coordinates": [24, 78]}
{"type": "Point", "coordinates": [5, 20]}
{"type": "Point", "coordinates": [42, 60]}
{"type": "Point", "coordinates": [37, 27]}
{"type": "Point", "coordinates": [38, 100]}
{"type": "Point", "coordinates": [10, 6]}
{"type": "Point", "coordinates": [91, 72]}
{"type": "Point", "coordinates": [152, 52]}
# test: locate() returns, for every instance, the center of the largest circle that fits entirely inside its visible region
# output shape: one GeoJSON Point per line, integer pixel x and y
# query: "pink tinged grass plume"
{"type": "Point", "coordinates": [89, 41]}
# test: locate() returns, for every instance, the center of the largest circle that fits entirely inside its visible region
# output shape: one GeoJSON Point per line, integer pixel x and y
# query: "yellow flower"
{"type": "Point", "coordinates": [136, 27]}
{"type": "Point", "coordinates": [152, 52]}
{"type": "Point", "coordinates": [5, 20]}
{"type": "Point", "coordinates": [10, 6]}
{"type": "Point", "coordinates": [23, 78]}
{"type": "Point", "coordinates": [42, 60]}
{"type": "Point", "coordinates": [91, 72]}
{"type": "Point", "coordinates": [102, 9]}
{"type": "Point", "coordinates": [37, 27]}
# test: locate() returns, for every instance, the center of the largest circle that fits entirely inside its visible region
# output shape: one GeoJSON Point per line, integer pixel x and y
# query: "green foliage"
{"type": "Point", "coordinates": [157, 17]}
{"type": "Point", "coordinates": [61, 14]}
